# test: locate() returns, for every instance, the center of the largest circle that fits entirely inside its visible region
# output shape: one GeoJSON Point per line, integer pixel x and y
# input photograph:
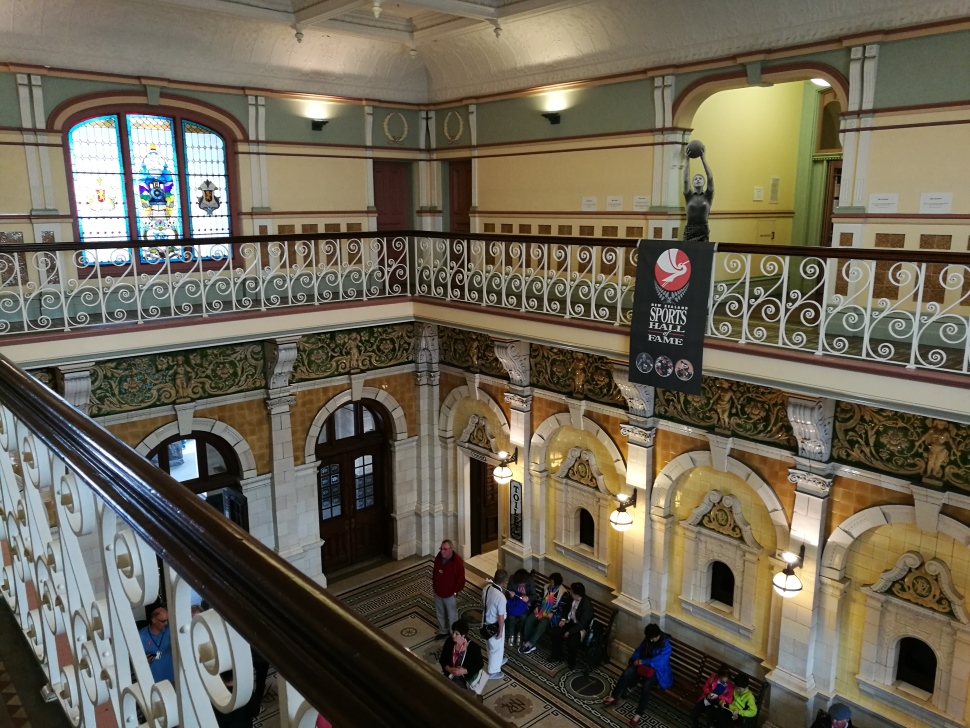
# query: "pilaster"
{"type": "Point", "coordinates": [432, 498]}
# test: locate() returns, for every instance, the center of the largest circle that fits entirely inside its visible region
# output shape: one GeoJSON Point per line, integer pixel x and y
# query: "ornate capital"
{"type": "Point", "coordinates": [280, 356]}
{"type": "Point", "coordinates": [280, 405]}
{"type": "Point", "coordinates": [427, 349]}
{"type": "Point", "coordinates": [639, 397]}
{"type": "Point", "coordinates": [811, 420]}
{"type": "Point", "coordinates": [519, 402]}
{"type": "Point", "coordinates": [639, 435]}
{"type": "Point", "coordinates": [514, 356]}
{"type": "Point", "coordinates": [812, 483]}
{"type": "Point", "coordinates": [427, 378]}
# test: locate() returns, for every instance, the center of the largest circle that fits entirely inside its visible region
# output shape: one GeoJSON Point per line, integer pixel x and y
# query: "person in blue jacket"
{"type": "Point", "coordinates": [651, 661]}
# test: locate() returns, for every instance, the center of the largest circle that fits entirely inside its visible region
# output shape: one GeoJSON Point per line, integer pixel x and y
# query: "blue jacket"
{"type": "Point", "coordinates": [657, 656]}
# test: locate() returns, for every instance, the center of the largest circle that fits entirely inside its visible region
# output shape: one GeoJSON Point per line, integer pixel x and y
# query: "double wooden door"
{"type": "Point", "coordinates": [484, 509]}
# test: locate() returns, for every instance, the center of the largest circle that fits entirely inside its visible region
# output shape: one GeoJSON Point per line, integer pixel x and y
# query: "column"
{"type": "Point", "coordinates": [433, 490]}
{"type": "Point", "coordinates": [637, 540]}
{"type": "Point", "coordinates": [429, 176]}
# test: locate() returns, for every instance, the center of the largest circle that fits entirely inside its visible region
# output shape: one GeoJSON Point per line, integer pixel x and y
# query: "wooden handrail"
{"type": "Point", "coordinates": [799, 251]}
{"type": "Point", "coordinates": [352, 672]}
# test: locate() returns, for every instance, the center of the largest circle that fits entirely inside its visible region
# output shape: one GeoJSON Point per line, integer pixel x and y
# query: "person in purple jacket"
{"type": "Point", "coordinates": [651, 661]}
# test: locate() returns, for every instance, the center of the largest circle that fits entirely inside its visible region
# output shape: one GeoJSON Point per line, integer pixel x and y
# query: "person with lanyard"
{"type": "Point", "coordinates": [461, 659]}
{"type": "Point", "coordinates": [540, 618]}
{"type": "Point", "coordinates": [157, 642]}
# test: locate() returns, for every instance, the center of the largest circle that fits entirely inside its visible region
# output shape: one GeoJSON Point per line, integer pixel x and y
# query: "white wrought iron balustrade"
{"type": "Point", "coordinates": [910, 308]}
{"type": "Point", "coordinates": [77, 512]}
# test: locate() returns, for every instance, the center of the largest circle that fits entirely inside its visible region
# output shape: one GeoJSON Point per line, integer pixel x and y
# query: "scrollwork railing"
{"type": "Point", "coordinates": [83, 523]}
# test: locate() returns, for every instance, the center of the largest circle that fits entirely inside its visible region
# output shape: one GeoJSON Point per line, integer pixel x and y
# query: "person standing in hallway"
{"type": "Point", "coordinates": [494, 604]}
{"type": "Point", "coordinates": [447, 580]}
{"type": "Point", "coordinates": [157, 643]}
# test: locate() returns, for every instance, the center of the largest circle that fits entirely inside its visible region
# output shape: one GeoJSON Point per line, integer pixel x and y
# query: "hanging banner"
{"type": "Point", "coordinates": [670, 313]}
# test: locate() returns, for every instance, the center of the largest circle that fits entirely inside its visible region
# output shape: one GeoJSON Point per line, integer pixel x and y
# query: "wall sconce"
{"type": "Point", "coordinates": [503, 473]}
{"type": "Point", "coordinates": [553, 117]}
{"type": "Point", "coordinates": [785, 582]}
{"type": "Point", "coordinates": [318, 124]}
{"type": "Point", "coordinates": [620, 519]}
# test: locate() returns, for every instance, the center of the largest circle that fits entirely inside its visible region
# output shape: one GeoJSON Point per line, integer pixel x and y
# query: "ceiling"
{"type": "Point", "coordinates": [424, 50]}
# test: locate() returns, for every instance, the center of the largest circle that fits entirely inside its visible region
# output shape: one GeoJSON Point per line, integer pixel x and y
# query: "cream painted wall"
{"type": "Point", "coordinates": [316, 183]}
{"type": "Point", "coordinates": [872, 553]}
{"type": "Point", "coordinates": [690, 491]}
{"type": "Point", "coordinates": [558, 181]}
{"type": "Point", "coordinates": [751, 135]}
{"type": "Point", "coordinates": [14, 188]}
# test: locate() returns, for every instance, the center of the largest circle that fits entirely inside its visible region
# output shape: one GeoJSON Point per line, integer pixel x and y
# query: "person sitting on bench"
{"type": "Point", "coordinates": [573, 629]}
{"type": "Point", "coordinates": [717, 693]}
{"type": "Point", "coordinates": [651, 661]}
{"type": "Point", "coordinates": [545, 614]}
{"type": "Point", "coordinates": [838, 716]}
{"type": "Point", "coordinates": [741, 708]}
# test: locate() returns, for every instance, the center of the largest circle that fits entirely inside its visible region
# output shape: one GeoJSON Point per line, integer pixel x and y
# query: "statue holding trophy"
{"type": "Point", "coordinates": [697, 199]}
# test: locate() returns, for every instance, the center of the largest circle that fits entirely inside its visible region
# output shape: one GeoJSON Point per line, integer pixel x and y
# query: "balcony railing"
{"type": "Point", "coordinates": [83, 522]}
{"type": "Point", "coordinates": [910, 308]}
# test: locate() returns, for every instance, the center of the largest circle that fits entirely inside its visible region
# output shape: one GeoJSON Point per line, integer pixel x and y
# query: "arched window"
{"type": "Point", "coordinates": [202, 462]}
{"type": "Point", "coordinates": [916, 664]}
{"type": "Point", "coordinates": [587, 528]}
{"type": "Point", "coordinates": [722, 584]}
{"type": "Point", "coordinates": [149, 176]}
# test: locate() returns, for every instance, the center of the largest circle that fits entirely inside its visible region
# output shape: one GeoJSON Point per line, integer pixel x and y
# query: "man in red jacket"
{"type": "Point", "coordinates": [448, 580]}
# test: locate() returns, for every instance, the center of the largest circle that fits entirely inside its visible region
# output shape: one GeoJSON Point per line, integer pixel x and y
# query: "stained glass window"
{"type": "Point", "coordinates": [176, 185]}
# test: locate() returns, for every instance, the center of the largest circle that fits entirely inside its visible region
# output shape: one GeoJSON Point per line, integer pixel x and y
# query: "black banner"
{"type": "Point", "coordinates": [515, 511]}
{"type": "Point", "coordinates": [670, 313]}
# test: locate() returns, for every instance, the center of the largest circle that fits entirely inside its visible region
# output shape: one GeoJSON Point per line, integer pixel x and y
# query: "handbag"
{"type": "Point", "coordinates": [477, 683]}
{"type": "Point", "coordinates": [645, 671]}
{"type": "Point", "coordinates": [488, 631]}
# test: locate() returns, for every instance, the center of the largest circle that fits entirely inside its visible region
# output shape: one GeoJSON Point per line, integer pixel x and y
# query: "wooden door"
{"type": "Point", "coordinates": [484, 509]}
{"type": "Point", "coordinates": [350, 486]}
{"type": "Point", "coordinates": [460, 195]}
{"type": "Point", "coordinates": [392, 196]}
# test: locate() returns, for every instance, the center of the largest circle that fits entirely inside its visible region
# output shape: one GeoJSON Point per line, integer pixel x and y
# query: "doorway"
{"type": "Point", "coordinates": [460, 195]}
{"type": "Point", "coordinates": [483, 508]}
{"type": "Point", "coordinates": [392, 195]}
{"type": "Point", "coordinates": [352, 485]}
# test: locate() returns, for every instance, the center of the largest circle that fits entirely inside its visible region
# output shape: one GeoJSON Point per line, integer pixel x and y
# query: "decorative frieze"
{"type": "Point", "coordinates": [469, 350]}
{"type": "Point", "coordinates": [574, 373]}
{"type": "Point", "coordinates": [349, 352]}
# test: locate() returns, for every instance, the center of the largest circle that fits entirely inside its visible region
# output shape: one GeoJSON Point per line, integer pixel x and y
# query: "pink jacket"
{"type": "Point", "coordinates": [726, 697]}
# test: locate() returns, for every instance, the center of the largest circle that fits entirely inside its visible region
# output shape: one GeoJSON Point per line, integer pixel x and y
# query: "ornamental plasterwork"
{"type": "Point", "coordinates": [574, 373]}
{"type": "Point", "coordinates": [391, 137]}
{"type": "Point", "coordinates": [514, 356]}
{"type": "Point", "coordinates": [123, 385]}
{"type": "Point", "coordinates": [903, 444]}
{"type": "Point", "coordinates": [347, 352]}
{"type": "Point", "coordinates": [924, 583]}
{"type": "Point", "coordinates": [453, 137]}
{"type": "Point", "coordinates": [427, 353]}
{"type": "Point", "coordinates": [469, 350]}
{"type": "Point", "coordinates": [280, 356]}
{"type": "Point", "coordinates": [580, 468]}
{"type": "Point", "coordinates": [722, 514]}
{"type": "Point", "coordinates": [729, 407]}
{"type": "Point", "coordinates": [812, 421]}
{"type": "Point", "coordinates": [477, 436]}
{"type": "Point", "coordinates": [639, 397]}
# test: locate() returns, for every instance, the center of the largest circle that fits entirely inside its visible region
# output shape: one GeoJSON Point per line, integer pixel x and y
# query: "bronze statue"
{"type": "Point", "coordinates": [697, 200]}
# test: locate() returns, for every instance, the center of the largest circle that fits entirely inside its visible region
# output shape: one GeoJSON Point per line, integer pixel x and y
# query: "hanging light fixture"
{"type": "Point", "coordinates": [620, 519]}
{"type": "Point", "coordinates": [785, 582]}
{"type": "Point", "coordinates": [503, 473]}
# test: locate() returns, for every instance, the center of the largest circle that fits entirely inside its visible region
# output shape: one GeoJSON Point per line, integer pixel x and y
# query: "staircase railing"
{"type": "Point", "coordinates": [891, 306]}
{"type": "Point", "coordinates": [83, 522]}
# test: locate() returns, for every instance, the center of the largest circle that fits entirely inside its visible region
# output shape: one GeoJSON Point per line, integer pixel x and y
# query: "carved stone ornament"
{"type": "Point", "coordinates": [812, 421]}
{"type": "Point", "coordinates": [722, 514]}
{"type": "Point", "coordinates": [477, 435]}
{"type": "Point", "coordinates": [520, 402]}
{"type": "Point", "coordinates": [514, 356]}
{"type": "Point", "coordinates": [280, 356]}
{"type": "Point", "coordinates": [427, 354]}
{"type": "Point", "coordinates": [639, 435]}
{"type": "Point", "coordinates": [926, 584]}
{"type": "Point", "coordinates": [580, 467]}
{"type": "Point", "coordinates": [639, 397]}
{"type": "Point", "coordinates": [818, 483]}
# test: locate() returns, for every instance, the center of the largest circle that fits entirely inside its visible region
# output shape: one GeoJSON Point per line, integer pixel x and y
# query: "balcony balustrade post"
{"type": "Point", "coordinates": [920, 285]}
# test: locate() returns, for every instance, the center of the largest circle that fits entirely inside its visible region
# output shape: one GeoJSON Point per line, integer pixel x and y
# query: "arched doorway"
{"type": "Point", "coordinates": [208, 466]}
{"type": "Point", "coordinates": [352, 485]}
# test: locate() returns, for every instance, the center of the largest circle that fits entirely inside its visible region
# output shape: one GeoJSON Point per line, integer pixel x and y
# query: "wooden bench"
{"type": "Point", "coordinates": [595, 650]}
{"type": "Point", "coordinates": [691, 668]}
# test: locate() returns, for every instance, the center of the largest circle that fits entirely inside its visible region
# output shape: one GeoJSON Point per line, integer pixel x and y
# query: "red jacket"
{"type": "Point", "coordinates": [448, 578]}
{"type": "Point", "coordinates": [726, 698]}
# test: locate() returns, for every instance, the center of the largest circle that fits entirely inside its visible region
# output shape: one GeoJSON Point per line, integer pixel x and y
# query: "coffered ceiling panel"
{"type": "Point", "coordinates": [423, 50]}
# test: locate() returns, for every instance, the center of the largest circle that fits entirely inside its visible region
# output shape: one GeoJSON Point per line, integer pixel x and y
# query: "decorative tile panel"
{"type": "Point", "coordinates": [903, 444]}
{"type": "Point", "coordinates": [934, 290]}
{"type": "Point", "coordinates": [329, 354]}
{"type": "Point", "coordinates": [123, 385]}
{"type": "Point", "coordinates": [737, 408]}
{"type": "Point", "coordinates": [13, 266]}
{"type": "Point", "coordinates": [545, 229]}
{"type": "Point", "coordinates": [580, 375]}
{"type": "Point", "coordinates": [470, 350]}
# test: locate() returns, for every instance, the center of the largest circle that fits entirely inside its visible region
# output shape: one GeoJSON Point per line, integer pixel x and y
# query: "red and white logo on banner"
{"type": "Point", "coordinates": [672, 270]}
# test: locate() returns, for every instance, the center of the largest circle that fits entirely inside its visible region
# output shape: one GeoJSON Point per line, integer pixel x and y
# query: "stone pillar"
{"type": "Point", "coordinates": [432, 489]}
{"type": "Point", "coordinates": [514, 356]}
{"type": "Point", "coordinates": [828, 633]}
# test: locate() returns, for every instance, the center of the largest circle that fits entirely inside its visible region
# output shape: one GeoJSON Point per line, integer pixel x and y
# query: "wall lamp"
{"type": "Point", "coordinates": [503, 473]}
{"type": "Point", "coordinates": [785, 582]}
{"type": "Point", "coordinates": [620, 519]}
{"type": "Point", "coordinates": [318, 124]}
{"type": "Point", "coordinates": [553, 117]}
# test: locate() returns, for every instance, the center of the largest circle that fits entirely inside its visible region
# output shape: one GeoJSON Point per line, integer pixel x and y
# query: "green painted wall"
{"type": "Point", "coordinates": [619, 107]}
{"type": "Point", "coordinates": [288, 120]}
{"type": "Point", "coordinates": [929, 70]}
{"type": "Point", "coordinates": [9, 104]}
{"type": "Point", "coordinates": [839, 60]}
{"type": "Point", "coordinates": [57, 90]}
{"type": "Point", "coordinates": [803, 173]}
{"type": "Point", "coordinates": [413, 138]}
{"type": "Point", "coordinates": [235, 104]}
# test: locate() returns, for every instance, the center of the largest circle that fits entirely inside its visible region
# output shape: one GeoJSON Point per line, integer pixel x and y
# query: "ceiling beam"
{"type": "Point", "coordinates": [326, 10]}
{"type": "Point", "coordinates": [448, 27]}
{"type": "Point", "coordinates": [457, 7]}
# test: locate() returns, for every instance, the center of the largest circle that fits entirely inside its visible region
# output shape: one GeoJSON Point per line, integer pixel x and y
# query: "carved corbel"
{"type": "Point", "coordinates": [74, 383]}
{"type": "Point", "coordinates": [514, 356]}
{"type": "Point", "coordinates": [639, 397]}
{"type": "Point", "coordinates": [427, 349]}
{"type": "Point", "coordinates": [280, 357]}
{"type": "Point", "coordinates": [812, 421]}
